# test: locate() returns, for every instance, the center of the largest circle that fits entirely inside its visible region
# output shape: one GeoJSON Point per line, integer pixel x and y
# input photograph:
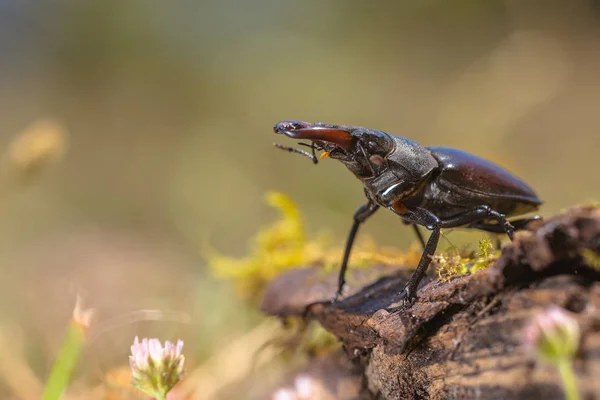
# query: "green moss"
{"type": "Point", "coordinates": [455, 263]}
{"type": "Point", "coordinates": [591, 258]}
{"type": "Point", "coordinates": [283, 245]}
{"type": "Point", "coordinates": [274, 249]}
{"type": "Point", "coordinates": [302, 338]}
{"type": "Point", "coordinates": [317, 340]}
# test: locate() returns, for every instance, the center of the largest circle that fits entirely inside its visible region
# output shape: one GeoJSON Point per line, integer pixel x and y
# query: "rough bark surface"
{"type": "Point", "coordinates": [461, 339]}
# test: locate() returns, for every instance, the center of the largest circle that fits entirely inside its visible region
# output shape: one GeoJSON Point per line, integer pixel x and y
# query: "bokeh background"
{"type": "Point", "coordinates": [166, 111]}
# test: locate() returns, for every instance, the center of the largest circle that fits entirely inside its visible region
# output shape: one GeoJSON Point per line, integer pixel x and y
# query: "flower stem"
{"type": "Point", "coordinates": [66, 362]}
{"type": "Point", "coordinates": [567, 374]}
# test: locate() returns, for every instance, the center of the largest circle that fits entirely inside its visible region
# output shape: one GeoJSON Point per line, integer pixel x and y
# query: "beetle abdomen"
{"type": "Point", "coordinates": [490, 183]}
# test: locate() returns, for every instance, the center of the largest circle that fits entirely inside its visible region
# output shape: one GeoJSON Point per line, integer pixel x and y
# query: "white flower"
{"type": "Point", "coordinates": [284, 394]}
{"type": "Point", "coordinates": [305, 386]}
{"type": "Point", "coordinates": [156, 369]}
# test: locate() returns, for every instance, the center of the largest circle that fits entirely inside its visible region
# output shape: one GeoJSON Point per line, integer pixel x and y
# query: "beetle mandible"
{"type": "Point", "coordinates": [434, 187]}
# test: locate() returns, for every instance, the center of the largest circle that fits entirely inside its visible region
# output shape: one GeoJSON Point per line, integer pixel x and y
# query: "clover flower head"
{"type": "Point", "coordinates": [552, 335]}
{"type": "Point", "coordinates": [305, 388]}
{"type": "Point", "coordinates": [156, 369]}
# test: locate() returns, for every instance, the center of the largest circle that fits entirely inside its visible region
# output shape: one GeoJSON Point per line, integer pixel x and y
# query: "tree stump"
{"type": "Point", "coordinates": [462, 339]}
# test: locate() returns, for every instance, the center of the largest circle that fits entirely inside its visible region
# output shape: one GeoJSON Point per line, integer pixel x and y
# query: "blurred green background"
{"type": "Point", "coordinates": [169, 108]}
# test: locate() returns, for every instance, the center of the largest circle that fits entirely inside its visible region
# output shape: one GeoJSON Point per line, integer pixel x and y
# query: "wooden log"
{"type": "Point", "coordinates": [462, 338]}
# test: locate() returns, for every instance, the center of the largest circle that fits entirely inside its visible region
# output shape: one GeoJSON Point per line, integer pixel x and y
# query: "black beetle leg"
{"type": "Point", "coordinates": [423, 217]}
{"type": "Point", "coordinates": [521, 224]}
{"type": "Point", "coordinates": [518, 225]}
{"type": "Point", "coordinates": [413, 283]}
{"type": "Point", "coordinates": [478, 214]}
{"type": "Point", "coordinates": [426, 218]}
{"type": "Point", "coordinates": [360, 216]}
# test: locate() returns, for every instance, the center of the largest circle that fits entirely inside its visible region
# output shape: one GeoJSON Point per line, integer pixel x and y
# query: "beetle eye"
{"type": "Point", "coordinates": [376, 159]}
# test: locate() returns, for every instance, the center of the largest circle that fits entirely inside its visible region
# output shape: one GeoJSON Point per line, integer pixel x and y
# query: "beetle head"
{"type": "Point", "coordinates": [364, 151]}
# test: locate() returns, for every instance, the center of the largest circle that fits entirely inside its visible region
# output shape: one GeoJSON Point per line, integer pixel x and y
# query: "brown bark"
{"type": "Point", "coordinates": [461, 339]}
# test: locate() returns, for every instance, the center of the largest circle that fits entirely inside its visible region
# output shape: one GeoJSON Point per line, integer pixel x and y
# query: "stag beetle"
{"type": "Point", "coordinates": [435, 187]}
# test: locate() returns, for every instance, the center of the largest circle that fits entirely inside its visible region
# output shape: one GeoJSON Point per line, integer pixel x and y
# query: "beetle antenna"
{"type": "Point", "coordinates": [362, 149]}
{"type": "Point", "coordinates": [313, 147]}
{"type": "Point", "coordinates": [313, 157]}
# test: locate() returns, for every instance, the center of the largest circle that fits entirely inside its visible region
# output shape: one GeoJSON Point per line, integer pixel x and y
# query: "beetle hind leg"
{"type": "Point", "coordinates": [477, 217]}
{"type": "Point", "coordinates": [517, 224]}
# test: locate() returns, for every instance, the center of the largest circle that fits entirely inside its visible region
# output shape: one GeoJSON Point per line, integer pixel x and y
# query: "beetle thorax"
{"type": "Point", "coordinates": [406, 167]}
{"type": "Point", "coordinates": [377, 186]}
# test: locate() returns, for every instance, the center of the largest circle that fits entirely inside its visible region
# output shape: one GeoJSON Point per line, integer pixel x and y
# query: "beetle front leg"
{"type": "Point", "coordinates": [360, 216]}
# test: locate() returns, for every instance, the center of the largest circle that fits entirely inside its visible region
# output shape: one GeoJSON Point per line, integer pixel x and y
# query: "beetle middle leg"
{"type": "Point", "coordinates": [432, 222]}
{"type": "Point", "coordinates": [360, 216]}
{"type": "Point", "coordinates": [426, 218]}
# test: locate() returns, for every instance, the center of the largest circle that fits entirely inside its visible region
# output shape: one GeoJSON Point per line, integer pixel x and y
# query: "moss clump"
{"type": "Point", "coordinates": [456, 264]}
{"type": "Point", "coordinates": [303, 337]}
{"type": "Point", "coordinates": [274, 249]}
{"type": "Point", "coordinates": [591, 258]}
{"type": "Point", "coordinates": [284, 245]}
